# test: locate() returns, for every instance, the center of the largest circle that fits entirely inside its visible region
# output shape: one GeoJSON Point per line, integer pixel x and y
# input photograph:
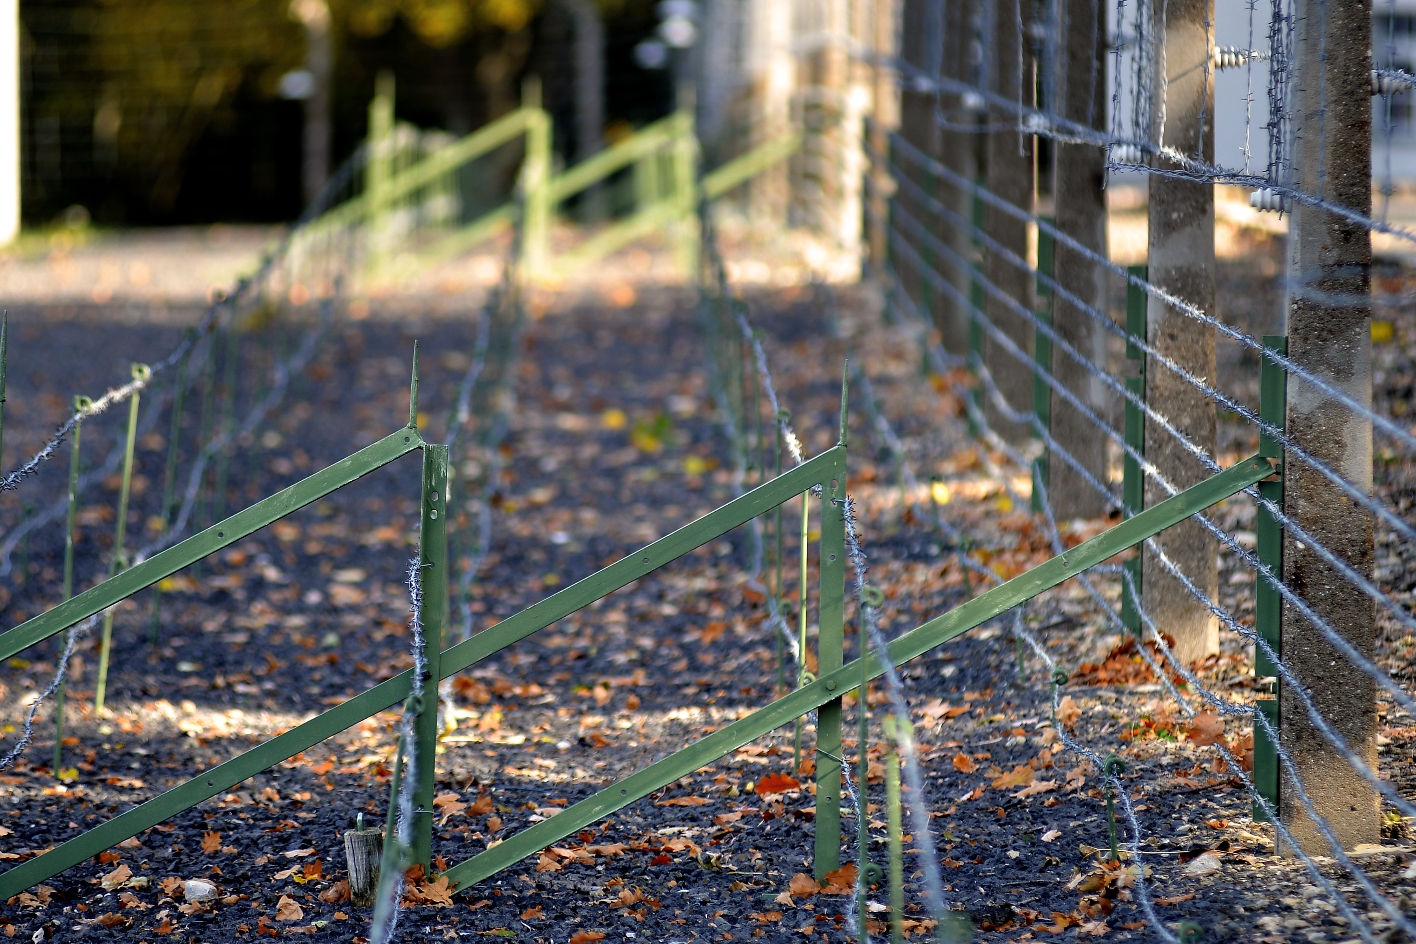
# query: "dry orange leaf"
{"type": "Point", "coordinates": [842, 881]}
{"type": "Point", "coordinates": [1206, 728]}
{"type": "Point", "coordinates": [483, 804]}
{"type": "Point", "coordinates": [116, 878]}
{"type": "Point", "coordinates": [803, 886]}
{"type": "Point", "coordinates": [777, 783]}
{"type": "Point", "coordinates": [1068, 712]}
{"type": "Point", "coordinates": [586, 937]}
{"type": "Point", "coordinates": [336, 893]}
{"type": "Point", "coordinates": [1019, 776]}
{"type": "Point", "coordinates": [964, 764]}
{"type": "Point", "coordinates": [684, 801]}
{"type": "Point", "coordinates": [531, 913]}
{"type": "Point", "coordinates": [766, 917]}
{"type": "Point", "coordinates": [286, 909]}
{"type": "Point", "coordinates": [1036, 787]}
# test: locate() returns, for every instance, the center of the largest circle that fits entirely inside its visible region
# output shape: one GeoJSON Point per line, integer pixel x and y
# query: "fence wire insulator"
{"type": "Point", "coordinates": [1392, 81]}
{"type": "Point", "coordinates": [1267, 199]}
{"type": "Point", "coordinates": [1235, 57]}
{"type": "Point", "coordinates": [1127, 154]}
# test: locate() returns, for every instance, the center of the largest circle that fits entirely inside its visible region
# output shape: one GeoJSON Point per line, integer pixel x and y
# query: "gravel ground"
{"type": "Point", "coordinates": [612, 441]}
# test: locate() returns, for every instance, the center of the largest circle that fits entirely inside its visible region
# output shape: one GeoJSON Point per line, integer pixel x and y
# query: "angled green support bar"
{"type": "Point", "coordinates": [619, 235]}
{"type": "Point", "coordinates": [741, 169]}
{"type": "Point", "coordinates": [389, 693]}
{"type": "Point", "coordinates": [222, 777]}
{"type": "Point", "coordinates": [622, 572]}
{"type": "Point", "coordinates": [243, 523]}
{"type": "Point", "coordinates": [832, 685]}
{"type": "Point", "coordinates": [645, 141]}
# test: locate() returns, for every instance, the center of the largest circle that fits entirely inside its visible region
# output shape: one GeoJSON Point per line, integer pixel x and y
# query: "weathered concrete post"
{"type": "Point", "coordinates": [1331, 339]}
{"type": "Point", "coordinates": [1080, 171]}
{"type": "Point", "coordinates": [1182, 263]}
{"type": "Point", "coordinates": [958, 150]}
{"type": "Point", "coordinates": [1009, 175]}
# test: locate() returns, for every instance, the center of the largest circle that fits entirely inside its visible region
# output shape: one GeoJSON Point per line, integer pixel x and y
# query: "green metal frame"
{"type": "Point", "coordinates": [823, 694]}
{"type": "Point", "coordinates": [831, 684]}
{"type": "Point", "coordinates": [1268, 604]}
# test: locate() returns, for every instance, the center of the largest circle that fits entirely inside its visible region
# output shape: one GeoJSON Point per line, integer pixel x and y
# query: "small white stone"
{"type": "Point", "coordinates": [196, 889]}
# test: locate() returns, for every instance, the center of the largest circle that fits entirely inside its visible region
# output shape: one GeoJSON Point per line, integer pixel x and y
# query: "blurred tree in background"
{"type": "Point", "coordinates": [173, 111]}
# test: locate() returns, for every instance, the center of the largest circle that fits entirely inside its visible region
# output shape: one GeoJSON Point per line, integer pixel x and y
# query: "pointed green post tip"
{"type": "Point", "coordinates": [413, 392]}
{"type": "Point", "coordinates": [845, 399]}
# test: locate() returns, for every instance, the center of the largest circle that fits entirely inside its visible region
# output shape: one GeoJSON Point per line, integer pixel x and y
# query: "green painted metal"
{"type": "Point", "coordinates": [1042, 361]}
{"type": "Point", "coordinates": [80, 403]}
{"type": "Point", "coordinates": [894, 832]}
{"type": "Point", "coordinates": [212, 539]}
{"type": "Point", "coordinates": [1265, 774]}
{"type": "Point", "coordinates": [830, 685]}
{"type": "Point", "coordinates": [642, 143]}
{"type": "Point", "coordinates": [120, 561]}
{"type": "Point", "coordinates": [830, 646]}
{"type": "Point", "coordinates": [1136, 303]}
{"type": "Point", "coordinates": [535, 177]}
{"type": "Point", "coordinates": [389, 693]}
{"type": "Point", "coordinates": [1268, 604]}
{"type": "Point", "coordinates": [741, 169]}
{"type": "Point", "coordinates": [621, 234]}
{"type": "Point", "coordinates": [203, 787]}
{"type": "Point", "coordinates": [432, 546]}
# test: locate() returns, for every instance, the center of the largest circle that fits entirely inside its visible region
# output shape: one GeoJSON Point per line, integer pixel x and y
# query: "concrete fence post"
{"type": "Point", "coordinates": [1009, 175]}
{"type": "Point", "coordinates": [1080, 207]}
{"type": "Point", "coordinates": [1181, 259]}
{"type": "Point", "coordinates": [1329, 336]}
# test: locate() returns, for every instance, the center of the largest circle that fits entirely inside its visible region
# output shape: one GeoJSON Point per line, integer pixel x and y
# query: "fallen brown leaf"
{"type": "Point", "coordinates": [842, 881]}
{"type": "Point", "coordinates": [777, 783]}
{"type": "Point", "coordinates": [286, 909]}
{"type": "Point", "coordinates": [586, 937]}
{"type": "Point", "coordinates": [684, 801]}
{"type": "Point", "coordinates": [117, 878]}
{"type": "Point", "coordinates": [336, 893]}
{"type": "Point", "coordinates": [803, 886]}
{"type": "Point", "coordinates": [211, 842]}
{"type": "Point", "coordinates": [964, 764]}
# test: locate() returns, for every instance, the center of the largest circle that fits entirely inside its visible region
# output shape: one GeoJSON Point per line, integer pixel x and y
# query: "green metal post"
{"type": "Point", "coordinates": [80, 403]}
{"type": "Point", "coordinates": [1042, 360]}
{"type": "Point", "coordinates": [169, 482]}
{"type": "Point", "coordinates": [535, 180]}
{"type": "Point", "coordinates": [685, 151]}
{"type": "Point", "coordinates": [830, 656]}
{"type": "Point", "coordinates": [378, 170]}
{"type": "Point", "coordinates": [433, 556]}
{"type": "Point", "coordinates": [1132, 478]}
{"type": "Point", "coordinates": [433, 559]}
{"type": "Point", "coordinates": [863, 773]}
{"type": "Point", "coordinates": [895, 832]}
{"type": "Point", "coordinates": [119, 562]}
{"type": "Point", "coordinates": [1268, 604]}
{"type": "Point", "coordinates": [777, 560]}
{"type": "Point", "coordinates": [231, 362]}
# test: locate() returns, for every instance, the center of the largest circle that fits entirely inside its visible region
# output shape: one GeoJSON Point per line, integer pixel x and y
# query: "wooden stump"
{"type": "Point", "coordinates": [363, 849]}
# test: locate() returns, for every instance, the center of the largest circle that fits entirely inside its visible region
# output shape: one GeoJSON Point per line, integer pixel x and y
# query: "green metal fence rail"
{"type": "Point", "coordinates": [663, 156]}
{"type": "Point", "coordinates": [827, 471]}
